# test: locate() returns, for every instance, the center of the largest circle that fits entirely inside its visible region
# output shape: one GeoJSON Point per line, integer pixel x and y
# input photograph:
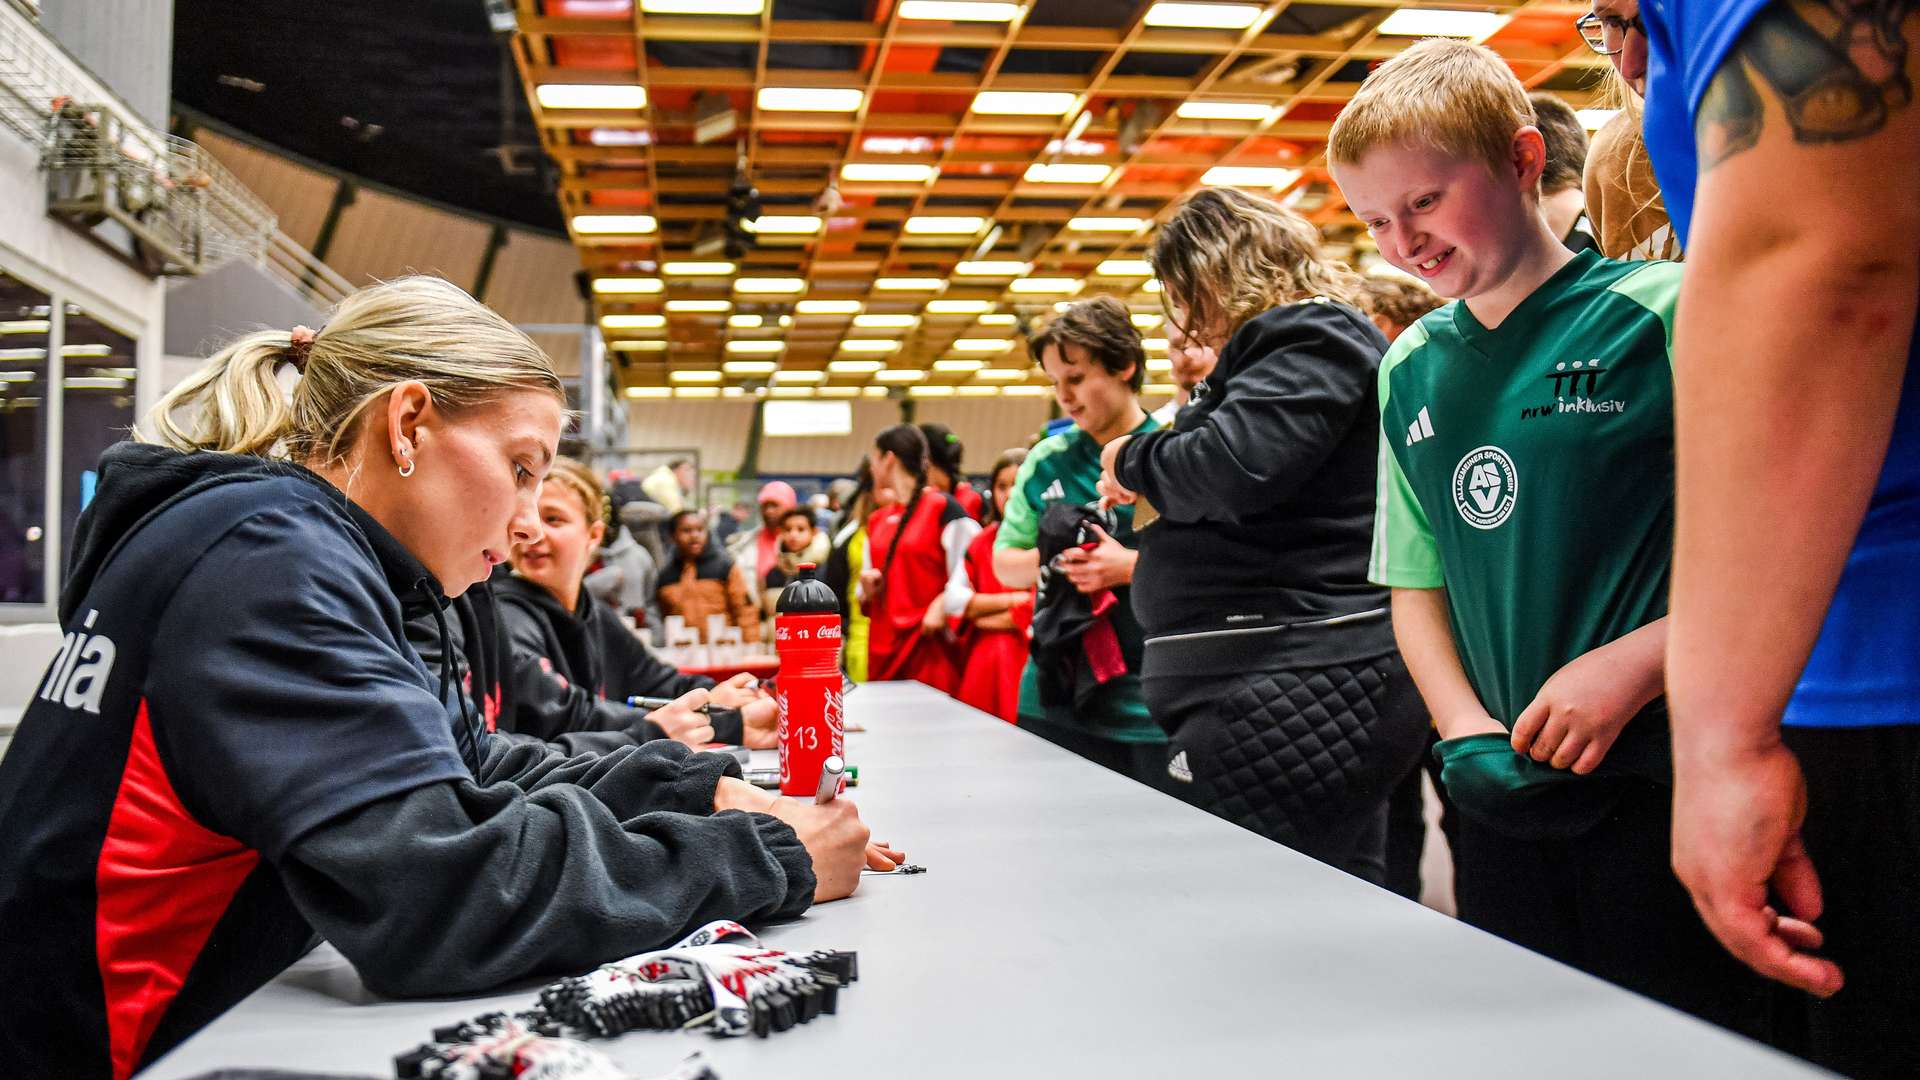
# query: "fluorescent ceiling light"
{"type": "Point", "coordinates": [770, 285]}
{"type": "Point", "coordinates": [87, 350]}
{"type": "Point", "coordinates": [1026, 391]}
{"type": "Point", "coordinates": [1124, 268]}
{"type": "Point", "coordinates": [930, 391]}
{"type": "Point", "coordinates": [784, 376]}
{"type": "Point", "coordinates": [90, 382]}
{"type": "Point", "coordinates": [695, 375]}
{"type": "Point", "coordinates": [1224, 110]}
{"type": "Point", "coordinates": [756, 348]}
{"type": "Point", "coordinates": [626, 285]}
{"type": "Point", "coordinates": [733, 391]}
{"type": "Point", "coordinates": [880, 172]}
{"type": "Point", "coordinates": [611, 136]}
{"type": "Point", "coordinates": [1024, 102]}
{"type": "Point", "coordinates": [1154, 344]}
{"type": "Point", "coordinates": [979, 391]}
{"type": "Point", "coordinates": [1000, 374]}
{"type": "Point", "coordinates": [702, 7]}
{"type": "Point", "coordinates": [604, 224]}
{"type": "Point", "coordinates": [998, 320]}
{"type": "Point", "coordinates": [699, 307]}
{"type": "Point", "coordinates": [959, 365]}
{"type": "Point", "coordinates": [855, 367]}
{"type": "Point", "coordinates": [1159, 363]}
{"type": "Point", "coordinates": [750, 367]}
{"type": "Point", "coordinates": [809, 99]}
{"type": "Point", "coordinates": [1440, 22]}
{"type": "Point", "coordinates": [869, 345]}
{"type": "Point", "coordinates": [982, 345]}
{"type": "Point", "coordinates": [1595, 119]}
{"type": "Point", "coordinates": [744, 322]}
{"type": "Point", "coordinates": [698, 269]}
{"type": "Point", "coordinates": [899, 375]}
{"type": "Point", "coordinates": [654, 345]}
{"type": "Point", "coordinates": [792, 391]}
{"type": "Point", "coordinates": [959, 307]}
{"type": "Point", "coordinates": [696, 391]}
{"type": "Point", "coordinates": [837, 391]}
{"type": "Point", "coordinates": [990, 268]}
{"type": "Point", "coordinates": [1152, 286]}
{"type": "Point", "coordinates": [1248, 176]}
{"type": "Point", "coordinates": [591, 96]}
{"type": "Point", "coordinates": [632, 322]}
{"type": "Point", "coordinates": [1203, 16]}
{"type": "Point", "coordinates": [888, 144]}
{"type": "Point", "coordinates": [1145, 320]}
{"type": "Point", "coordinates": [885, 322]}
{"type": "Point", "coordinates": [958, 11]}
{"type": "Point", "coordinates": [874, 391]}
{"type": "Point", "coordinates": [1065, 285]}
{"type": "Point", "coordinates": [25, 326]}
{"type": "Point", "coordinates": [933, 225]}
{"type": "Point", "coordinates": [649, 391]}
{"type": "Point", "coordinates": [1068, 173]}
{"type": "Point", "coordinates": [909, 284]}
{"type": "Point", "coordinates": [784, 224]}
{"type": "Point", "coordinates": [827, 307]}
{"type": "Point", "coordinates": [1106, 224]}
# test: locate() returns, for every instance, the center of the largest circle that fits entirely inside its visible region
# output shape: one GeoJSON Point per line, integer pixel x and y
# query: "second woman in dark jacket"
{"type": "Point", "coordinates": [1269, 657]}
{"type": "Point", "coordinates": [548, 615]}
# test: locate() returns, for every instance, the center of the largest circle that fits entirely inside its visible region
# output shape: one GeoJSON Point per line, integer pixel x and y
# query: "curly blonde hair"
{"type": "Point", "coordinates": [1227, 256]}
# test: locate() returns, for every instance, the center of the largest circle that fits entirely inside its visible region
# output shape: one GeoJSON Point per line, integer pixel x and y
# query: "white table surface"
{"type": "Point", "coordinates": [1075, 923]}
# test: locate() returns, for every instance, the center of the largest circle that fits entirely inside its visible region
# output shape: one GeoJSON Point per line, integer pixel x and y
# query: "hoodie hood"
{"type": "Point", "coordinates": [138, 481]}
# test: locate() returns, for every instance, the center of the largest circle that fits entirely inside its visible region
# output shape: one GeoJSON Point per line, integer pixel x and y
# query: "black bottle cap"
{"type": "Point", "coordinates": [807, 595]}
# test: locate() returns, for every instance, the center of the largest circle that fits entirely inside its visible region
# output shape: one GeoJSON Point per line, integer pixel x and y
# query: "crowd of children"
{"type": "Point", "coordinates": [1621, 548]}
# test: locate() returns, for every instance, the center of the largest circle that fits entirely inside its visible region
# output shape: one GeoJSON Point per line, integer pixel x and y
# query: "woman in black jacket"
{"type": "Point", "coordinates": [1269, 658]}
{"type": "Point", "coordinates": [577, 644]}
{"type": "Point", "coordinates": [237, 750]}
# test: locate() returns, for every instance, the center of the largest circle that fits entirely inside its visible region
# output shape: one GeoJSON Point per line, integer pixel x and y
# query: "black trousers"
{"type": "Point", "coordinates": [1306, 756]}
{"type": "Point", "coordinates": [1142, 761]}
{"type": "Point", "coordinates": [1863, 834]}
{"type": "Point", "coordinates": [1609, 904]}
{"type": "Point", "coordinates": [1407, 824]}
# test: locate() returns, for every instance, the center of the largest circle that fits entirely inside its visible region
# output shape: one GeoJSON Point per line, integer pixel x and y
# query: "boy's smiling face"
{"type": "Point", "coordinates": [1448, 220]}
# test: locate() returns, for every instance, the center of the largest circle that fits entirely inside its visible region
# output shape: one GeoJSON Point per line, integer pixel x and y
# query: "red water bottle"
{"type": "Point", "coordinates": [806, 632]}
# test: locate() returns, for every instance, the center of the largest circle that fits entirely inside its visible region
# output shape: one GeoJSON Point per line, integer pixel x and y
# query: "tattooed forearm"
{"type": "Point", "coordinates": [1836, 67]}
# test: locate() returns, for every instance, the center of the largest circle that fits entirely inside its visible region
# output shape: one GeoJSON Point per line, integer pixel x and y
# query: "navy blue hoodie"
{"type": "Point", "coordinates": [236, 749]}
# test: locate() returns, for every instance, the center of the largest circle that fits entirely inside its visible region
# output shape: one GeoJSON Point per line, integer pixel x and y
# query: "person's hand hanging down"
{"type": "Point", "coordinates": [935, 619]}
{"type": "Point", "coordinates": [833, 834]}
{"type": "Point", "coordinates": [1111, 491]}
{"type": "Point", "coordinates": [1108, 566]}
{"type": "Point", "coordinates": [683, 721]}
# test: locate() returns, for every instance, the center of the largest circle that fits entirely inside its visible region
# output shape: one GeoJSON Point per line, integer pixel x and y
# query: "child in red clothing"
{"type": "Point", "coordinates": [995, 617]}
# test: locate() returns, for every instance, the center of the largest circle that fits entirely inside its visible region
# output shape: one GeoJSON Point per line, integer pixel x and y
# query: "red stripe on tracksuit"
{"type": "Point", "coordinates": [163, 881]}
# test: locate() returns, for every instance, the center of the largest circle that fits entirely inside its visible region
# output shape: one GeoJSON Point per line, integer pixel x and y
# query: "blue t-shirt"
{"type": "Point", "coordinates": [1865, 668]}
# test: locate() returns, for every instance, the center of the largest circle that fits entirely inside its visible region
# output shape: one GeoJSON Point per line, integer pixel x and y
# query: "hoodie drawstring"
{"type": "Point", "coordinates": [467, 735]}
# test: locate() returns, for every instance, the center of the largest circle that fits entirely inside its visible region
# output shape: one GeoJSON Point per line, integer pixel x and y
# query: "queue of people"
{"type": "Point", "coordinates": [1584, 528]}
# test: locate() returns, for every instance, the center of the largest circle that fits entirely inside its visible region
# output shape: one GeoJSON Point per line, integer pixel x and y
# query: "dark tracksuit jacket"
{"type": "Point", "coordinates": [575, 669]}
{"type": "Point", "coordinates": [236, 749]}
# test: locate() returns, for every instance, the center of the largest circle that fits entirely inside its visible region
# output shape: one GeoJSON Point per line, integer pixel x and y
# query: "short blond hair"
{"type": "Point", "coordinates": [1448, 95]}
{"type": "Point", "coordinates": [1227, 256]}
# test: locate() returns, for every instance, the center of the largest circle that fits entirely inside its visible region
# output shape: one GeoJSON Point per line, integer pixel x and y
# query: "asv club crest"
{"type": "Point", "coordinates": [1484, 486]}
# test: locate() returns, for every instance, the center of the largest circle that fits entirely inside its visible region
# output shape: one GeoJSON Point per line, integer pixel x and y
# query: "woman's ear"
{"type": "Point", "coordinates": [410, 413]}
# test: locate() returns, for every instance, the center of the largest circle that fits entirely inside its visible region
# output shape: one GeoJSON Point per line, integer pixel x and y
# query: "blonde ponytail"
{"type": "Point", "coordinates": [234, 402]}
{"type": "Point", "coordinates": [412, 329]}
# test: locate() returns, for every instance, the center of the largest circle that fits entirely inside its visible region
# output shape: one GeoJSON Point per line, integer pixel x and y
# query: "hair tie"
{"type": "Point", "coordinates": [300, 341]}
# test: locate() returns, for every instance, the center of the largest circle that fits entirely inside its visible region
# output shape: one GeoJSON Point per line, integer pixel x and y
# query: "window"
{"type": "Point", "coordinates": [96, 396]}
{"type": "Point", "coordinates": [25, 331]}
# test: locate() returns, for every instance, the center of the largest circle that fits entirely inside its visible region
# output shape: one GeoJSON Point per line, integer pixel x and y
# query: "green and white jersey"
{"type": "Point", "coordinates": [1528, 470]}
{"type": "Point", "coordinates": [1066, 468]}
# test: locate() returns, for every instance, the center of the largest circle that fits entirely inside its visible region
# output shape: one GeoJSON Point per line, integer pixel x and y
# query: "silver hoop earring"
{"type": "Point", "coordinates": [407, 469]}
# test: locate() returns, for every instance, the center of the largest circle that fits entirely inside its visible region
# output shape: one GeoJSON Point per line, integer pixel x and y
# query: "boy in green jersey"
{"type": "Point", "coordinates": [1092, 354]}
{"type": "Point", "coordinates": [1525, 526]}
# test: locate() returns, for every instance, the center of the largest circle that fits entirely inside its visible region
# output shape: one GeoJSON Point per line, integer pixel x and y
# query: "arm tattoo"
{"type": "Point", "coordinates": [1837, 68]}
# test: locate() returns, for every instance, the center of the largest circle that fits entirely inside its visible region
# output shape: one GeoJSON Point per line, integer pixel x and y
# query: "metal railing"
{"type": "Point", "coordinates": [185, 210]}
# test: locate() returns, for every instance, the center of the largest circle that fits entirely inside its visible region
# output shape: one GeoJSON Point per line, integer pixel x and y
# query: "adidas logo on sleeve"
{"type": "Point", "coordinates": [1421, 428]}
